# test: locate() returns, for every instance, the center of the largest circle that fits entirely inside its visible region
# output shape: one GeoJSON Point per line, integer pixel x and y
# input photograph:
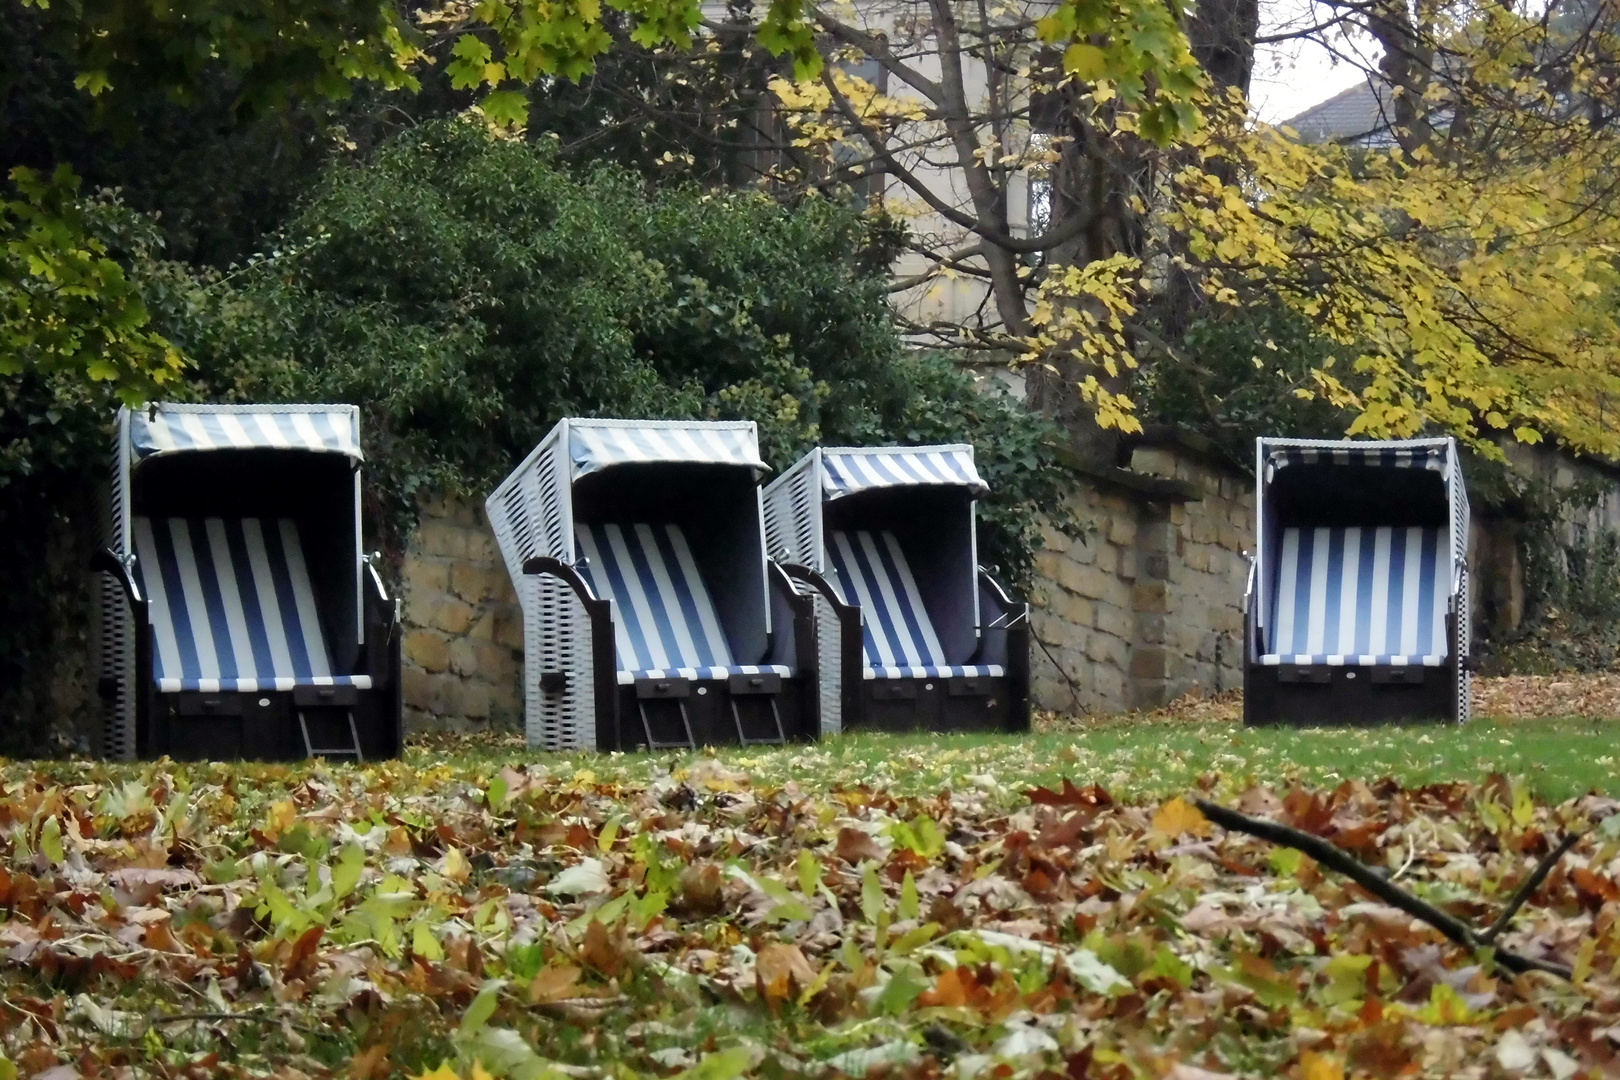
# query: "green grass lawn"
{"type": "Point", "coordinates": [1561, 758]}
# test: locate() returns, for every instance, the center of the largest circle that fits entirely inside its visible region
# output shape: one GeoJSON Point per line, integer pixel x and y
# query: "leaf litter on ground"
{"type": "Point", "coordinates": [533, 919]}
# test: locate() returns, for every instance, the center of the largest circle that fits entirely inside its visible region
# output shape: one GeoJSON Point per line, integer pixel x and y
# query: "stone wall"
{"type": "Point", "coordinates": [1498, 535]}
{"type": "Point", "coordinates": [463, 628]}
{"type": "Point", "coordinates": [1145, 604]}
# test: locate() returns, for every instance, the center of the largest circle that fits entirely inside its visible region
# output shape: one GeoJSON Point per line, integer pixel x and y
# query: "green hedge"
{"type": "Point", "coordinates": [468, 291]}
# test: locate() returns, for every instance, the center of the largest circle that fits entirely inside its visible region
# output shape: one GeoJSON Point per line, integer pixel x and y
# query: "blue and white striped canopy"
{"type": "Point", "coordinates": [1415, 454]}
{"type": "Point", "coordinates": [846, 470]}
{"type": "Point", "coordinates": [169, 428]}
{"type": "Point", "coordinates": [597, 444]}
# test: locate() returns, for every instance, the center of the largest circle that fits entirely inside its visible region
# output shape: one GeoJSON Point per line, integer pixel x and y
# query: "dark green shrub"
{"type": "Point", "coordinates": [468, 291]}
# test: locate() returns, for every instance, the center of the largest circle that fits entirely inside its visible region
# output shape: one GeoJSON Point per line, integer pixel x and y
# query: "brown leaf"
{"type": "Point", "coordinates": [370, 1064]}
{"type": "Point", "coordinates": [555, 983]}
{"type": "Point", "coordinates": [1593, 889]}
{"type": "Point", "coordinates": [780, 969]}
{"type": "Point", "coordinates": [855, 847]}
{"type": "Point", "coordinates": [701, 885]}
{"type": "Point", "coordinates": [1207, 920]}
{"type": "Point", "coordinates": [160, 938]}
{"type": "Point", "coordinates": [606, 951]}
{"type": "Point", "coordinates": [300, 959]}
{"type": "Point", "coordinates": [1091, 796]}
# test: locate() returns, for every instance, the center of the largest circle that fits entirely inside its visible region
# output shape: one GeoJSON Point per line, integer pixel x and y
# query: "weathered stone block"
{"type": "Point", "coordinates": [451, 615]}
{"type": "Point", "coordinates": [463, 657]}
{"type": "Point", "coordinates": [509, 627]}
{"type": "Point", "coordinates": [1156, 537]}
{"type": "Point", "coordinates": [1122, 529]}
{"type": "Point", "coordinates": [428, 650]}
{"type": "Point", "coordinates": [1125, 563]}
{"type": "Point", "coordinates": [506, 694]}
{"type": "Point", "coordinates": [1113, 620]}
{"type": "Point", "coordinates": [471, 700]}
{"type": "Point", "coordinates": [1084, 550]}
{"type": "Point", "coordinates": [1150, 662]}
{"type": "Point", "coordinates": [474, 583]}
{"type": "Point", "coordinates": [1155, 567]}
{"type": "Point", "coordinates": [1107, 649]}
{"type": "Point", "coordinates": [1114, 504]}
{"type": "Point", "coordinates": [1149, 694]}
{"type": "Point", "coordinates": [442, 538]}
{"type": "Point", "coordinates": [497, 662]}
{"type": "Point", "coordinates": [1107, 685]}
{"type": "Point", "coordinates": [1154, 460]}
{"type": "Point", "coordinates": [1150, 629]}
{"type": "Point", "coordinates": [416, 686]}
{"type": "Point", "coordinates": [1151, 596]}
{"type": "Point", "coordinates": [1075, 610]}
{"type": "Point", "coordinates": [424, 576]}
{"type": "Point", "coordinates": [1059, 634]}
{"type": "Point", "coordinates": [480, 546]}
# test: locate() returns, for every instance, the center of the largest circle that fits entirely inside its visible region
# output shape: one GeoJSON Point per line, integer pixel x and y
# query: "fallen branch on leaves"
{"type": "Point", "coordinates": [1369, 878]}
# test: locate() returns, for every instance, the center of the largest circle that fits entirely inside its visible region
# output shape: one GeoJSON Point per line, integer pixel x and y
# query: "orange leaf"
{"type": "Point", "coordinates": [370, 1064]}
{"type": "Point", "coordinates": [855, 847]}
{"type": "Point", "coordinates": [949, 990]}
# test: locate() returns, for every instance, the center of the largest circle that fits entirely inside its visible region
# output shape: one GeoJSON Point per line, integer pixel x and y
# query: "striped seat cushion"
{"type": "Point", "coordinates": [664, 621]}
{"type": "Point", "coordinates": [900, 643]}
{"type": "Point", "coordinates": [1360, 596]}
{"type": "Point", "coordinates": [231, 606]}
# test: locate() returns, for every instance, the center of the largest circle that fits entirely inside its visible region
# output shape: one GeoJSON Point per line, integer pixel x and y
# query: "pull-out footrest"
{"type": "Point", "coordinates": [763, 689]}
{"type": "Point", "coordinates": [331, 730]}
{"type": "Point", "coordinates": [672, 691]}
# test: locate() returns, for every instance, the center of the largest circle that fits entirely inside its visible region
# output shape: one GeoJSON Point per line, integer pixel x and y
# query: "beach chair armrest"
{"type": "Point", "coordinates": [1004, 623]}
{"type": "Point", "coordinates": [999, 611]}
{"type": "Point", "coordinates": [805, 578]}
{"type": "Point", "coordinates": [123, 571]}
{"type": "Point", "coordinates": [792, 621]}
{"type": "Point", "coordinates": [544, 564]}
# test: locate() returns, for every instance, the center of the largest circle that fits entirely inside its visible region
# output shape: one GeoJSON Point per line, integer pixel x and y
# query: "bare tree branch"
{"type": "Point", "coordinates": [1335, 858]}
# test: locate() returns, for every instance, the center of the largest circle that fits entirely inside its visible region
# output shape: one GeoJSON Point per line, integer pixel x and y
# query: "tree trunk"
{"type": "Point", "coordinates": [1094, 179]}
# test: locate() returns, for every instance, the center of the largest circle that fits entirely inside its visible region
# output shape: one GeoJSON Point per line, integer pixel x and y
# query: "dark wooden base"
{"type": "Point", "coordinates": [264, 726]}
{"type": "Point", "coordinates": [1352, 695]}
{"type": "Point", "coordinates": [942, 705]}
{"type": "Point", "coordinates": [708, 711]}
